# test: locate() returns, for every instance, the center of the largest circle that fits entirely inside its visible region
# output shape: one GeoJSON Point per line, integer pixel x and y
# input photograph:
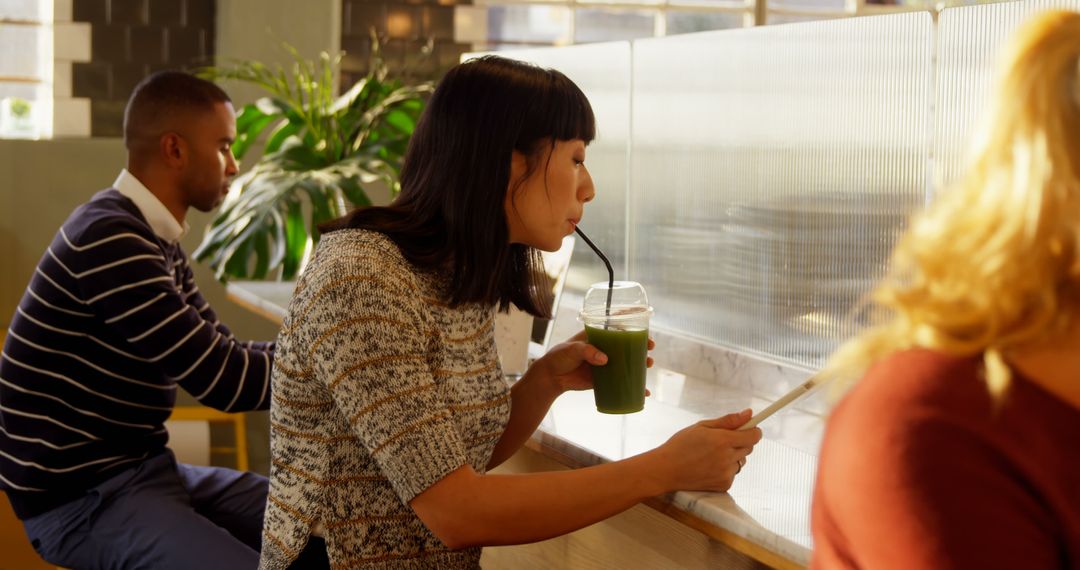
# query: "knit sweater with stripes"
{"type": "Point", "coordinates": [110, 324]}
{"type": "Point", "coordinates": [380, 390]}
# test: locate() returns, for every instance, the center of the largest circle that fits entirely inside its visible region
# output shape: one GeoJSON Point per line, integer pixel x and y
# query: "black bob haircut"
{"type": "Point", "coordinates": [456, 175]}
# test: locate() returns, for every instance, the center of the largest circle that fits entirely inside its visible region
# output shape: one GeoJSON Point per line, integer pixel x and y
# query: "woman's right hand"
{"type": "Point", "coordinates": [707, 455]}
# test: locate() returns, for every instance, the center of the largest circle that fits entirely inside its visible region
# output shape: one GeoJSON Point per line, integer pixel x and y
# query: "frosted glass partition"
{"type": "Point", "coordinates": [603, 73]}
{"type": "Point", "coordinates": [772, 169]}
{"type": "Point", "coordinates": [971, 39]}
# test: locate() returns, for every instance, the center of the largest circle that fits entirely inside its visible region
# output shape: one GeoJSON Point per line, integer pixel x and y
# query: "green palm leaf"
{"type": "Point", "coordinates": [321, 155]}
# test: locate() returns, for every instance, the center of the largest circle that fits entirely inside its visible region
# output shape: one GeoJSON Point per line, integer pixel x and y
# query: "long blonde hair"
{"type": "Point", "coordinates": [992, 264]}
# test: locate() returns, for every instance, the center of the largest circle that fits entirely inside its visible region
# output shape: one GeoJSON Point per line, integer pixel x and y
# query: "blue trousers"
{"type": "Point", "coordinates": [162, 515]}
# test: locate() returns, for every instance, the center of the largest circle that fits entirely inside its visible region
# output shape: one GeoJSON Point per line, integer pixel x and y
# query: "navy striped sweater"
{"type": "Point", "coordinates": [110, 324]}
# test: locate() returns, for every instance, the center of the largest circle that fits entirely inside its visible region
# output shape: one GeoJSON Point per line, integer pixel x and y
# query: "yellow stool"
{"type": "Point", "coordinates": [212, 416]}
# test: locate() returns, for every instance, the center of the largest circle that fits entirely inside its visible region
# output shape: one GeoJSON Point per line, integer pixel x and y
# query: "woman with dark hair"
{"type": "Point", "coordinates": [388, 401]}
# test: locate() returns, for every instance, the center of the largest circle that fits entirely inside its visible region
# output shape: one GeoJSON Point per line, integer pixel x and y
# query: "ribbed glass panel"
{"type": "Point", "coordinates": [602, 71]}
{"type": "Point", "coordinates": [772, 170]}
{"type": "Point", "coordinates": [970, 41]}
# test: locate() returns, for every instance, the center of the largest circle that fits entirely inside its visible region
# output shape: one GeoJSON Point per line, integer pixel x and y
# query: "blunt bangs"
{"type": "Point", "coordinates": [570, 115]}
{"type": "Point", "coordinates": [556, 109]}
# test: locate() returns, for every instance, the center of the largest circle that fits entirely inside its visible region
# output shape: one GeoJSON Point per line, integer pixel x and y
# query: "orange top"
{"type": "Point", "coordinates": [920, 469]}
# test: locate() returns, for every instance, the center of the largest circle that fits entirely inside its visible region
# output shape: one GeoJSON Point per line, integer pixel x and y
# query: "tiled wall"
{"type": "Point", "coordinates": [130, 39]}
{"type": "Point", "coordinates": [406, 26]}
{"type": "Point", "coordinates": [71, 45]}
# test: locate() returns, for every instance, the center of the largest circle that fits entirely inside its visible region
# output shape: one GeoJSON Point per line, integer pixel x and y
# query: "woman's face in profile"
{"type": "Point", "coordinates": [548, 205]}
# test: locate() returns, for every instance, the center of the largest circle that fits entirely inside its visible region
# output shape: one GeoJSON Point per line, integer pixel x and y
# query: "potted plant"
{"type": "Point", "coordinates": [322, 153]}
{"type": "Point", "coordinates": [17, 118]}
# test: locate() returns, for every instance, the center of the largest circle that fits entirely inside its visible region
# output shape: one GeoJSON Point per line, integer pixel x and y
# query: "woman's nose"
{"type": "Point", "coordinates": [587, 191]}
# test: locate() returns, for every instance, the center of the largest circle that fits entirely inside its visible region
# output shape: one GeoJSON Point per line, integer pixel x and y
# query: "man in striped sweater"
{"type": "Point", "coordinates": [110, 324]}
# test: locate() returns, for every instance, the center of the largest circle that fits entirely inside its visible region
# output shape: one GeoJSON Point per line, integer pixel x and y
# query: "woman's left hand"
{"type": "Point", "coordinates": [570, 363]}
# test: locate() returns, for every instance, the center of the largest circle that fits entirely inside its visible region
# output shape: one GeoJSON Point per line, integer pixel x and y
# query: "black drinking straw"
{"type": "Point", "coordinates": [610, 272]}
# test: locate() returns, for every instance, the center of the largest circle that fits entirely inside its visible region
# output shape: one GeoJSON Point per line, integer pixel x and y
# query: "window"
{"type": "Point", "coordinates": [504, 24]}
{"type": "Point", "coordinates": [602, 24]}
{"type": "Point", "coordinates": [26, 54]}
{"type": "Point", "coordinates": [528, 24]}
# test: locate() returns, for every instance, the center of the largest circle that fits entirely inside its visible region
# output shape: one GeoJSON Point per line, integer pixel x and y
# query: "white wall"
{"type": "Point", "coordinates": [255, 29]}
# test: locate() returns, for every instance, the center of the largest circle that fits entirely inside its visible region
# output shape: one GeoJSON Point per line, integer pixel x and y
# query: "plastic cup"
{"type": "Point", "coordinates": [620, 331]}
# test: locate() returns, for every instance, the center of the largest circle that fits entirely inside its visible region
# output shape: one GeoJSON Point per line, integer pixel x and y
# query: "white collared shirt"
{"type": "Point", "coordinates": [157, 215]}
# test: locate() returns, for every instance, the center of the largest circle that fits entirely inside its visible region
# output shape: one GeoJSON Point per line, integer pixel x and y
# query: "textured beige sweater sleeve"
{"type": "Point", "coordinates": [372, 338]}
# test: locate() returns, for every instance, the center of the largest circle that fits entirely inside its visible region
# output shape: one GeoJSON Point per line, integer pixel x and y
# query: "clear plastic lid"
{"type": "Point", "coordinates": [628, 302]}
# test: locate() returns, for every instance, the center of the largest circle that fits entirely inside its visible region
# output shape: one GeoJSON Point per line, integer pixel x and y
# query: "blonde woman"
{"type": "Point", "coordinates": [960, 446]}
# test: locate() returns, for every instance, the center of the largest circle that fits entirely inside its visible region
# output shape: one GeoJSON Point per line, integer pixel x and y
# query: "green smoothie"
{"type": "Point", "coordinates": [619, 385]}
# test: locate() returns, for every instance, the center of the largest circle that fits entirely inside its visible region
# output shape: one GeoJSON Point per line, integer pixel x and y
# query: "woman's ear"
{"type": "Point", "coordinates": [518, 167]}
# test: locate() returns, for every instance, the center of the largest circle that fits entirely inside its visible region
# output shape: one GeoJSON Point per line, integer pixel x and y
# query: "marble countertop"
{"type": "Point", "coordinates": [768, 506]}
{"type": "Point", "coordinates": [267, 298]}
{"type": "Point", "coordinates": [769, 503]}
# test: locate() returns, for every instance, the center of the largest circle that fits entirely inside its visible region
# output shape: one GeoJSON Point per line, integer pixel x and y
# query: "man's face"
{"type": "Point", "coordinates": [210, 165]}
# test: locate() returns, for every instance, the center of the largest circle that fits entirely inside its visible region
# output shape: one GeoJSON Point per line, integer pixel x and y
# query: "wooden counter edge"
{"type": "Point", "coordinates": [738, 543]}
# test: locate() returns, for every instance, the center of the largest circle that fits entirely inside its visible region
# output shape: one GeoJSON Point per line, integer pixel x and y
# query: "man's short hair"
{"type": "Point", "coordinates": [163, 97]}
